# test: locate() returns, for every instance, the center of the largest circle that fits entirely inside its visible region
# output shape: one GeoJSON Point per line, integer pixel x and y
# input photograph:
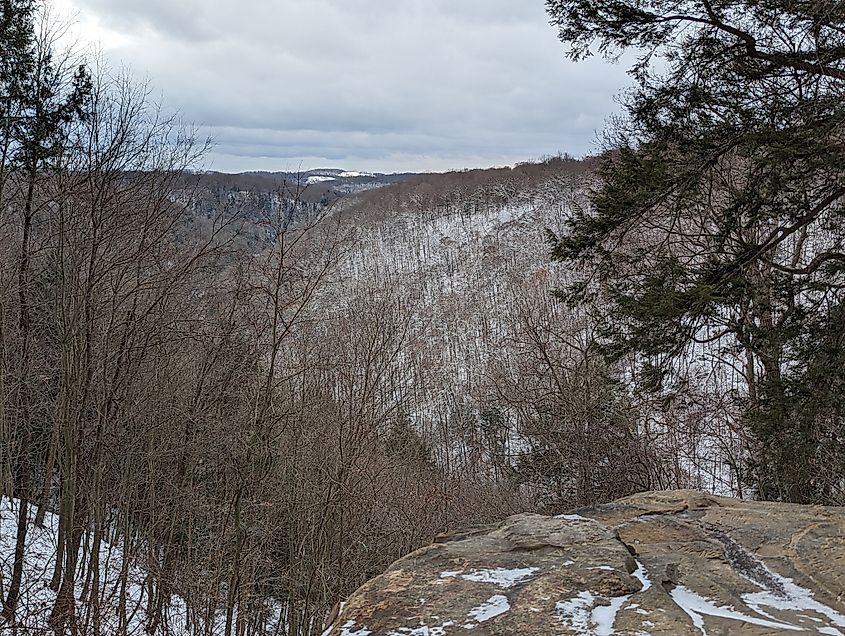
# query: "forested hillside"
{"type": "Point", "coordinates": [498, 371]}
{"type": "Point", "coordinates": [226, 401]}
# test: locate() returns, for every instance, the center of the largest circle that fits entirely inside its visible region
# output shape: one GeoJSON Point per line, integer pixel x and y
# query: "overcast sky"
{"type": "Point", "coordinates": [378, 85]}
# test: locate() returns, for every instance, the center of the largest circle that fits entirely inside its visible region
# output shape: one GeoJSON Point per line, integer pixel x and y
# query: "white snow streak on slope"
{"type": "Point", "coordinates": [604, 616]}
{"type": "Point", "coordinates": [796, 598]}
{"type": "Point", "coordinates": [782, 593]}
{"type": "Point", "coordinates": [641, 574]}
{"type": "Point", "coordinates": [696, 607]}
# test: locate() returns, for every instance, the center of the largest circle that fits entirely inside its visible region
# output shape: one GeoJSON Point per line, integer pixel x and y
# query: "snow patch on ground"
{"type": "Point", "coordinates": [575, 613]}
{"type": "Point", "coordinates": [491, 608]}
{"type": "Point", "coordinates": [605, 615]}
{"type": "Point", "coordinates": [585, 616]}
{"type": "Point", "coordinates": [37, 599]}
{"type": "Point", "coordinates": [501, 577]}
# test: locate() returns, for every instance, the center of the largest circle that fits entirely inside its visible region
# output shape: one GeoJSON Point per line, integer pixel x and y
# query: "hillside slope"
{"type": "Point", "coordinates": [484, 352]}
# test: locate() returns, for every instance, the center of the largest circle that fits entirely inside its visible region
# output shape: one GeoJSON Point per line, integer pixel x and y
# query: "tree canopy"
{"type": "Point", "coordinates": [717, 223]}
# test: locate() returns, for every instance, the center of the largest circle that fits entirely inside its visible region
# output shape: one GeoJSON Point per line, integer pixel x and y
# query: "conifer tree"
{"type": "Point", "coordinates": [719, 221]}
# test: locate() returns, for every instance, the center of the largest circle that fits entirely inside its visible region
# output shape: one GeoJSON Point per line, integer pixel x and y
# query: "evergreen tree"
{"type": "Point", "coordinates": [719, 221]}
{"type": "Point", "coordinates": [17, 61]}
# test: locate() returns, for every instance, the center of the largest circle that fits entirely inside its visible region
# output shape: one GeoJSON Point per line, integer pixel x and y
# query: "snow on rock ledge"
{"type": "Point", "coordinates": [678, 563]}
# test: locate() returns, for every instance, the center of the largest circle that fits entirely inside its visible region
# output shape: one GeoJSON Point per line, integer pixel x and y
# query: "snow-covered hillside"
{"type": "Point", "coordinates": [483, 331]}
{"type": "Point", "coordinates": [467, 273]}
{"type": "Point", "coordinates": [461, 282]}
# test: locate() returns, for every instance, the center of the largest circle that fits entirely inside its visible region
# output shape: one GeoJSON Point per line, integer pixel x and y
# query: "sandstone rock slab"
{"type": "Point", "coordinates": [678, 562]}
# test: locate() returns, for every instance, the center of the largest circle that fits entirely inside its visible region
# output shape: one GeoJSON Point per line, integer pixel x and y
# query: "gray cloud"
{"type": "Point", "coordinates": [365, 84]}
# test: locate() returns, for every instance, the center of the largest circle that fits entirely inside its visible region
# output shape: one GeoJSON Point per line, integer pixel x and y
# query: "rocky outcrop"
{"type": "Point", "coordinates": [679, 562]}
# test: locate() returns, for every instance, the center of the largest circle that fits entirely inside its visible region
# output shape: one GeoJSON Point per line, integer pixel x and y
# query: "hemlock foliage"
{"type": "Point", "coordinates": [719, 221]}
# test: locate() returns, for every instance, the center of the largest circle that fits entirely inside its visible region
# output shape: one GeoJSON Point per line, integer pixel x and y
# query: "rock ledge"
{"type": "Point", "coordinates": [679, 562]}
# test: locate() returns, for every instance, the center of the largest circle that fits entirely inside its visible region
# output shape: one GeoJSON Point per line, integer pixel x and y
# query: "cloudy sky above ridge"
{"type": "Point", "coordinates": [379, 85]}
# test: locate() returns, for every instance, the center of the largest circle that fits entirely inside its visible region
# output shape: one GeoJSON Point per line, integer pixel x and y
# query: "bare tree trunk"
{"type": "Point", "coordinates": [122, 622]}
{"type": "Point", "coordinates": [46, 483]}
{"type": "Point", "coordinates": [94, 568]}
{"type": "Point", "coordinates": [24, 406]}
{"type": "Point", "coordinates": [11, 605]}
{"type": "Point", "coordinates": [56, 579]}
{"type": "Point", "coordinates": [63, 616]}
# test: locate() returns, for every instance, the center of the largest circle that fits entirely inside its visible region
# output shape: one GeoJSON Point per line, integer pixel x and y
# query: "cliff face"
{"type": "Point", "coordinates": [676, 563]}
